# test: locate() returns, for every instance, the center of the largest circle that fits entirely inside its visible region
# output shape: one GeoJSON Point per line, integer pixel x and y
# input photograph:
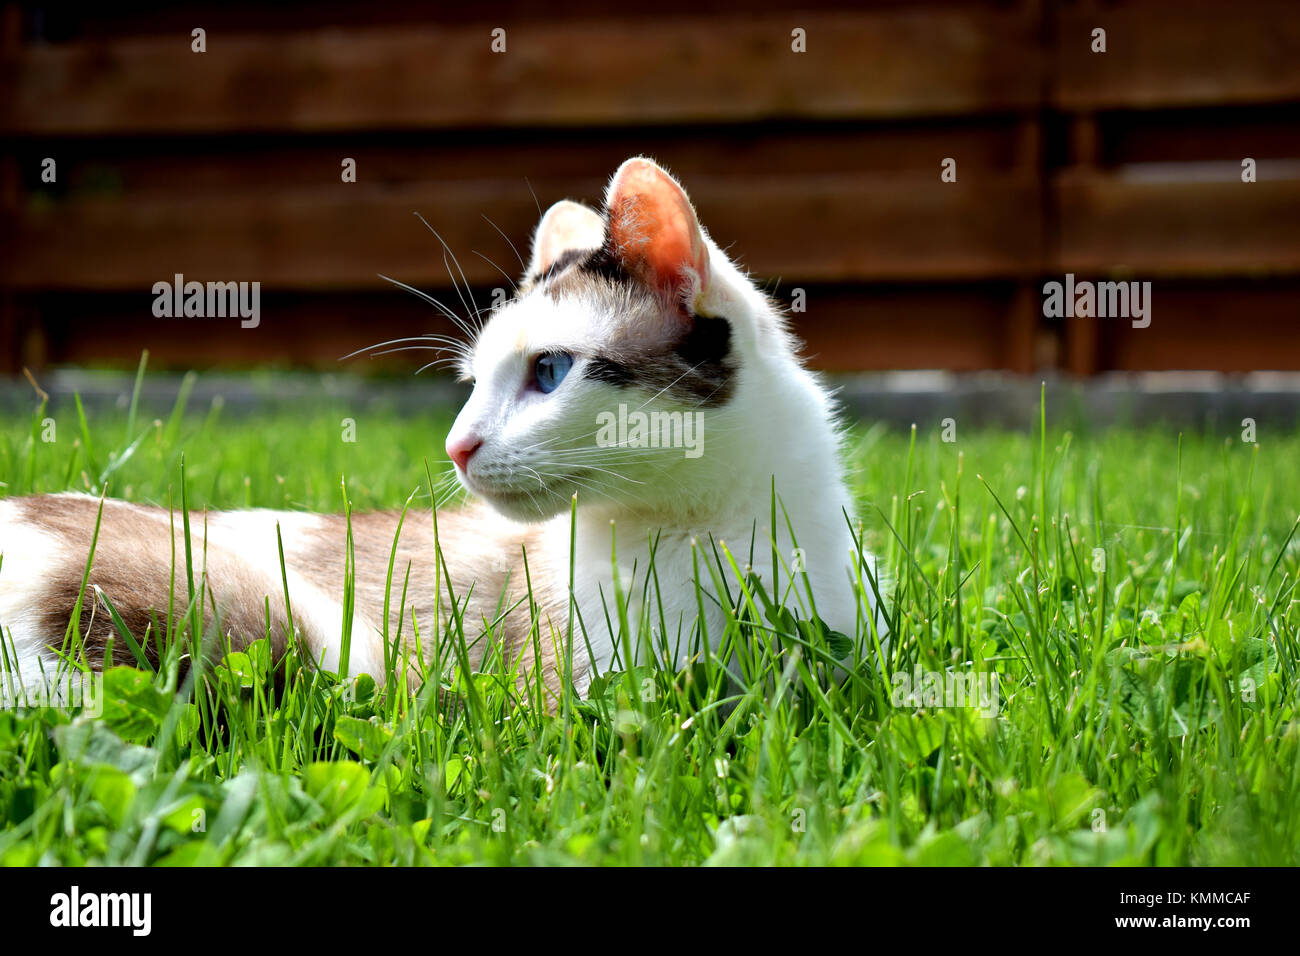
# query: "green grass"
{"type": "Point", "coordinates": [1147, 703]}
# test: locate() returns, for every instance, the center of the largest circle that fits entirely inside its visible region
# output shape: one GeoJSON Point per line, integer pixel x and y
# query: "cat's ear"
{"type": "Point", "coordinates": [654, 234]}
{"type": "Point", "coordinates": [566, 225]}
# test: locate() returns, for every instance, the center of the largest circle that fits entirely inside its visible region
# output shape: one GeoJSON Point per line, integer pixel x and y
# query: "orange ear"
{"type": "Point", "coordinates": [653, 231]}
{"type": "Point", "coordinates": [566, 225]}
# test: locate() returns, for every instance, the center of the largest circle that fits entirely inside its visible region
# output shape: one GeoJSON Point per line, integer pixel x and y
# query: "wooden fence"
{"type": "Point", "coordinates": [819, 169]}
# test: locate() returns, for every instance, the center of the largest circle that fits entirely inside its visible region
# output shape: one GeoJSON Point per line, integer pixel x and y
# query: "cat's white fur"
{"type": "Point", "coordinates": [779, 426]}
{"type": "Point", "coordinates": [26, 556]}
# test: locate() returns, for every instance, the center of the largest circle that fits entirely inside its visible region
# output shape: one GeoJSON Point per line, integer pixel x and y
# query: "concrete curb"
{"type": "Point", "coordinates": [1185, 399]}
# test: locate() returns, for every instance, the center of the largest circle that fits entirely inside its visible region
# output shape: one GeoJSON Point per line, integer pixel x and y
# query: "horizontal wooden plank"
{"type": "Point", "coordinates": [959, 327]}
{"type": "Point", "coordinates": [63, 22]}
{"type": "Point", "coordinates": [1231, 326]}
{"type": "Point", "coordinates": [813, 229]}
{"type": "Point", "coordinates": [1185, 53]}
{"type": "Point", "coordinates": [824, 229]}
{"type": "Point", "coordinates": [136, 168]}
{"type": "Point", "coordinates": [1191, 135]}
{"type": "Point", "coordinates": [681, 69]}
{"type": "Point", "coordinates": [1108, 222]}
{"type": "Point", "coordinates": [953, 326]}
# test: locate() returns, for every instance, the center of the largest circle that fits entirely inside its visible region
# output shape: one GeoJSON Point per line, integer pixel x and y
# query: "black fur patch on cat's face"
{"type": "Point", "coordinates": [562, 262]}
{"type": "Point", "coordinates": [697, 370]}
{"type": "Point", "coordinates": [601, 368]}
{"type": "Point", "coordinates": [604, 265]}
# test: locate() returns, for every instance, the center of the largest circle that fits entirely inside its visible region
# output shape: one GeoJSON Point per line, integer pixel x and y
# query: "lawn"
{"type": "Point", "coordinates": [1132, 591]}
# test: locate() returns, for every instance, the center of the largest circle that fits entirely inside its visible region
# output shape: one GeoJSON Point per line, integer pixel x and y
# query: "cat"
{"type": "Point", "coordinates": [638, 394]}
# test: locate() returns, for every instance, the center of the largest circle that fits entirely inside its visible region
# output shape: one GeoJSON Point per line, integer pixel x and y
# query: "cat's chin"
{"type": "Point", "coordinates": [521, 506]}
{"type": "Point", "coordinates": [521, 509]}
{"type": "Point", "coordinates": [529, 504]}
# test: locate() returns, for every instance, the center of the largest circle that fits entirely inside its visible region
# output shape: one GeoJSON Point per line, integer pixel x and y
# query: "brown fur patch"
{"type": "Point", "coordinates": [133, 567]}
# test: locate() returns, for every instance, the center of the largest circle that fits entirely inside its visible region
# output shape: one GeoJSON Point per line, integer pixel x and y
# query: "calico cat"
{"type": "Point", "coordinates": [637, 371]}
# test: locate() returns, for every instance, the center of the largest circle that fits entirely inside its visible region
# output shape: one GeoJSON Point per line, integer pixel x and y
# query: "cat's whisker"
{"type": "Point", "coordinates": [448, 495]}
{"type": "Point", "coordinates": [607, 471]}
{"type": "Point", "coordinates": [377, 345]}
{"type": "Point", "coordinates": [522, 265]}
{"type": "Point", "coordinates": [413, 348]}
{"type": "Point", "coordinates": [594, 483]}
{"type": "Point", "coordinates": [536, 202]}
{"type": "Point", "coordinates": [460, 323]}
{"type": "Point", "coordinates": [498, 268]}
{"type": "Point", "coordinates": [624, 451]}
{"type": "Point", "coordinates": [540, 480]}
{"type": "Point", "coordinates": [471, 313]}
{"type": "Point", "coordinates": [447, 251]}
{"type": "Point", "coordinates": [594, 487]}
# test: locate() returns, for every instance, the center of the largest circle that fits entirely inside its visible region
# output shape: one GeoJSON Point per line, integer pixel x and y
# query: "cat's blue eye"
{"type": "Point", "coordinates": [550, 370]}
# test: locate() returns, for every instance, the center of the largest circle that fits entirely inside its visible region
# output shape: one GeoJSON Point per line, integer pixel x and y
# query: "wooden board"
{"type": "Point", "coordinates": [814, 229]}
{"type": "Point", "coordinates": [1185, 53]}
{"type": "Point", "coordinates": [600, 71]}
{"type": "Point", "coordinates": [1108, 223]}
{"type": "Point", "coordinates": [959, 326]}
{"type": "Point", "coordinates": [1227, 326]}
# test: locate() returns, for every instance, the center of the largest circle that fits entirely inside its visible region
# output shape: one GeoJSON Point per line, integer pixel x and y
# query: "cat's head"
{"type": "Point", "coordinates": [615, 371]}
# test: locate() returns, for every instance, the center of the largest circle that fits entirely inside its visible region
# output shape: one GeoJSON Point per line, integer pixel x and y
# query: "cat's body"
{"type": "Point", "coordinates": [48, 537]}
{"type": "Point", "coordinates": [633, 312]}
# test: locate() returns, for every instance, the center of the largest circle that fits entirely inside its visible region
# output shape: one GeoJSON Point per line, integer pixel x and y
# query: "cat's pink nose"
{"type": "Point", "coordinates": [460, 450]}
